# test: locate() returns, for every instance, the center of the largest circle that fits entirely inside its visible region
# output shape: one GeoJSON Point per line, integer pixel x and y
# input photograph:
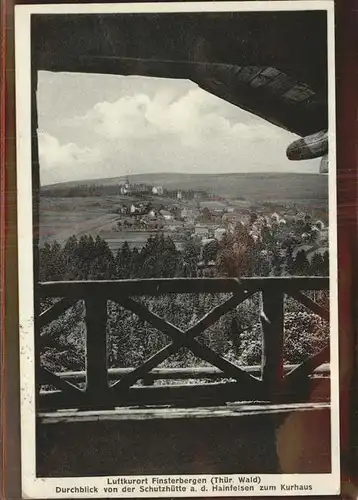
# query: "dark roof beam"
{"type": "Point", "coordinates": [292, 116]}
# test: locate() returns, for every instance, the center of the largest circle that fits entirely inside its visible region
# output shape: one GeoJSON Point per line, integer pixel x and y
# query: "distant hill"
{"type": "Point", "coordinates": [251, 186]}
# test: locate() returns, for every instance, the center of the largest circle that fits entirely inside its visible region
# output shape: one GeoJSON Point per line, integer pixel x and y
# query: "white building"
{"type": "Point", "coordinates": [166, 215]}
{"type": "Point", "coordinates": [157, 190]}
{"type": "Point", "coordinates": [219, 233]}
{"type": "Point", "coordinates": [152, 214]}
{"type": "Point", "coordinates": [201, 230]}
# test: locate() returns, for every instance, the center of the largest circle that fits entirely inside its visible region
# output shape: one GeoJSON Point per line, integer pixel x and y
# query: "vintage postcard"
{"type": "Point", "coordinates": [177, 249]}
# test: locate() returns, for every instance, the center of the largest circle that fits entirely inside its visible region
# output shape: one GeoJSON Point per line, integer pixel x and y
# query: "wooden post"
{"type": "Point", "coordinates": [272, 321]}
{"type": "Point", "coordinates": [96, 343]}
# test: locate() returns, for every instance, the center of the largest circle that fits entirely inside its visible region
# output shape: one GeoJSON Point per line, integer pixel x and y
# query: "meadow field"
{"type": "Point", "coordinates": [61, 218]}
{"type": "Point", "coordinates": [62, 215]}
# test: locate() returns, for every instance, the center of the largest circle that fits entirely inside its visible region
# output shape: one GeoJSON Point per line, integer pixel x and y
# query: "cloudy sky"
{"type": "Point", "coordinates": [95, 126]}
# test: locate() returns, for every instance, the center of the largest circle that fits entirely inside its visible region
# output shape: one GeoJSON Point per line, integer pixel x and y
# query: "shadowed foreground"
{"type": "Point", "coordinates": [231, 439]}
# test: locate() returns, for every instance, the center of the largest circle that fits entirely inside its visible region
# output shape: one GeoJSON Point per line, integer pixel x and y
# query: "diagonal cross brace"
{"type": "Point", "coordinates": [310, 304]}
{"type": "Point", "coordinates": [50, 378]}
{"type": "Point", "coordinates": [55, 311]}
{"type": "Point", "coordinates": [185, 339]}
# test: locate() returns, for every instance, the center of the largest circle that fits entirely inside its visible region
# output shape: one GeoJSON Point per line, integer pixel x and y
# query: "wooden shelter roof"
{"type": "Point", "coordinates": [272, 64]}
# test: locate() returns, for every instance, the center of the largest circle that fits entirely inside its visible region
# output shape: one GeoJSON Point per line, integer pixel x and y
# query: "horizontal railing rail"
{"type": "Point", "coordinates": [81, 289]}
{"type": "Point", "coordinates": [199, 373]}
{"type": "Point", "coordinates": [105, 388]}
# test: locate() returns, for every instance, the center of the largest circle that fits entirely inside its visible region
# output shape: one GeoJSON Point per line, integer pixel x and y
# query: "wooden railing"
{"type": "Point", "coordinates": [272, 381]}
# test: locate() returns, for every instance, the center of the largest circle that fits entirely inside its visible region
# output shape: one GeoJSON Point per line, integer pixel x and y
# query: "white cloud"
{"type": "Point", "coordinates": [53, 153]}
{"type": "Point", "coordinates": [119, 126]}
{"type": "Point", "coordinates": [66, 158]}
{"type": "Point", "coordinates": [192, 118]}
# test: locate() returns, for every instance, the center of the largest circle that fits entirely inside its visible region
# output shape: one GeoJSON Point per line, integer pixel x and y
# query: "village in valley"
{"type": "Point", "coordinates": [131, 213]}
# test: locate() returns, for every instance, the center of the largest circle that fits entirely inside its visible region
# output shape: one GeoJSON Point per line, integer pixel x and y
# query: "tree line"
{"type": "Point", "coordinates": [238, 255]}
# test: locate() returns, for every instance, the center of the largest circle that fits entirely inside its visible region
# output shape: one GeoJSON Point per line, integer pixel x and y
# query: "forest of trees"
{"type": "Point", "coordinates": [236, 255]}
{"type": "Point", "coordinates": [236, 336]}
